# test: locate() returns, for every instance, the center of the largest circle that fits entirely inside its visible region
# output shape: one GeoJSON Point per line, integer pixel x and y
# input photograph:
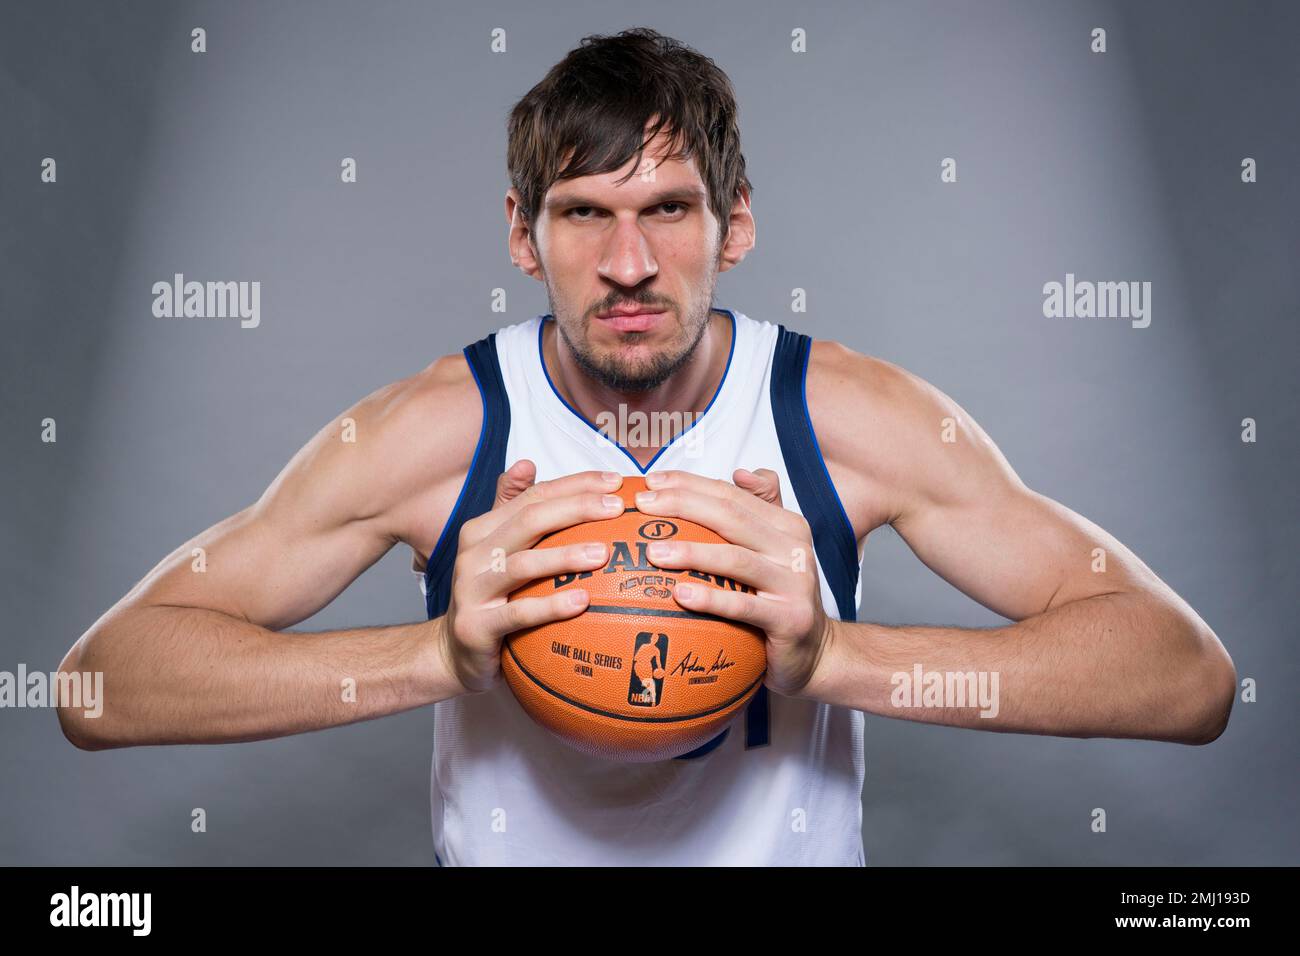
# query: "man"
{"type": "Point", "coordinates": [628, 196]}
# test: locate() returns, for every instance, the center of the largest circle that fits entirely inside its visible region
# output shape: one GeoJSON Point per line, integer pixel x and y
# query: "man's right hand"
{"type": "Point", "coordinates": [495, 556]}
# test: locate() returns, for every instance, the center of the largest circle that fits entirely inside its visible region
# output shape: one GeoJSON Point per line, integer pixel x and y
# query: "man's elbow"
{"type": "Point", "coordinates": [81, 717]}
{"type": "Point", "coordinates": [82, 731]}
{"type": "Point", "coordinates": [1216, 691]}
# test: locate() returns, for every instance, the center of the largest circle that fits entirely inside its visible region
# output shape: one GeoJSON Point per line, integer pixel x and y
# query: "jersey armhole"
{"type": "Point", "coordinates": [479, 488]}
{"type": "Point", "coordinates": [833, 538]}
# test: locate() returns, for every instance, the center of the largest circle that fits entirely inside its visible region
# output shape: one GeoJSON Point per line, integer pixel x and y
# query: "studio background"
{"type": "Point", "coordinates": [225, 166]}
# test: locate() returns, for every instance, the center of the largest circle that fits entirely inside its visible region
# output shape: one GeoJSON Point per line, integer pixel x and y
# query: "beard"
{"type": "Point", "coordinates": [613, 369]}
{"type": "Point", "coordinates": [621, 374]}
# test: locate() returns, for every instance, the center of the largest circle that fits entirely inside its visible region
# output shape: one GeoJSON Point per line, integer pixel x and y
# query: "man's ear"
{"type": "Point", "coordinates": [520, 239]}
{"type": "Point", "coordinates": [741, 233]}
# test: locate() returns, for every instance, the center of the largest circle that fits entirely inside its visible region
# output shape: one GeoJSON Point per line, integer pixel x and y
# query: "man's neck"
{"type": "Point", "coordinates": [688, 391]}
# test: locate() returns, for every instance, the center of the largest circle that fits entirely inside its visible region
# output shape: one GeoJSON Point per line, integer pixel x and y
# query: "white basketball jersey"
{"type": "Point", "coordinates": [782, 785]}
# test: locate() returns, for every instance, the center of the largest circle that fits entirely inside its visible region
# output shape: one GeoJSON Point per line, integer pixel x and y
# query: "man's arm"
{"type": "Point", "coordinates": [1113, 653]}
{"type": "Point", "coordinates": [192, 656]}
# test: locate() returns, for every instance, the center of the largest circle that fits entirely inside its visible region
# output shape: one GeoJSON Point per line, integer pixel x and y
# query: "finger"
{"type": "Point", "coordinates": [773, 514]}
{"type": "Point", "coordinates": [514, 481]}
{"type": "Point", "coordinates": [533, 611]}
{"type": "Point", "coordinates": [507, 573]}
{"type": "Point", "coordinates": [731, 517]}
{"type": "Point", "coordinates": [764, 483]}
{"type": "Point", "coordinates": [481, 527]}
{"type": "Point", "coordinates": [763, 613]}
{"type": "Point", "coordinates": [758, 571]}
{"type": "Point", "coordinates": [537, 521]}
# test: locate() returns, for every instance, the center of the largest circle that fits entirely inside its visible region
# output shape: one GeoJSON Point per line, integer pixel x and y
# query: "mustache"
{"type": "Point", "coordinates": [649, 306]}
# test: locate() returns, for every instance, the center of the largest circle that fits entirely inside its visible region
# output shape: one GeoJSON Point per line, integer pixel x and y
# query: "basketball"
{"type": "Point", "coordinates": [635, 677]}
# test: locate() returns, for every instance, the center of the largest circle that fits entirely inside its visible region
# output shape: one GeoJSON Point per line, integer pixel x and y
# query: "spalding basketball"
{"type": "Point", "coordinates": [635, 676]}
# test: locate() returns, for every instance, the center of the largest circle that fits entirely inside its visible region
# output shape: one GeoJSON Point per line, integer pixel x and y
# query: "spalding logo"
{"type": "Point", "coordinates": [657, 530]}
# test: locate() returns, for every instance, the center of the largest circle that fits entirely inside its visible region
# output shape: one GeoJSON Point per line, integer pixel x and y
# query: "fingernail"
{"type": "Point", "coordinates": [613, 503]}
{"type": "Point", "coordinates": [577, 598]}
{"type": "Point", "coordinates": [645, 497]}
{"type": "Point", "coordinates": [659, 549]}
{"type": "Point", "coordinates": [611, 477]}
{"type": "Point", "coordinates": [654, 479]}
{"type": "Point", "coordinates": [685, 590]}
{"type": "Point", "coordinates": [594, 551]}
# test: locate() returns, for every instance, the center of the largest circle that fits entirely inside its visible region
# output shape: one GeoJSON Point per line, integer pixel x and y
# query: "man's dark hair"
{"type": "Point", "coordinates": [597, 103]}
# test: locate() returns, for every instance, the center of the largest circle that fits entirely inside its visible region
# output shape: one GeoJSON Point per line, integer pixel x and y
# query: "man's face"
{"type": "Point", "coordinates": [652, 243]}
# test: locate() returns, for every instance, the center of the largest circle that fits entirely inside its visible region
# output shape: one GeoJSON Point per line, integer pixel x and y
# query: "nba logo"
{"type": "Point", "coordinates": [649, 655]}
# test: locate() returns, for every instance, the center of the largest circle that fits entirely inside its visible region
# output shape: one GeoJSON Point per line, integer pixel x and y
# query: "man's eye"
{"type": "Point", "coordinates": [577, 212]}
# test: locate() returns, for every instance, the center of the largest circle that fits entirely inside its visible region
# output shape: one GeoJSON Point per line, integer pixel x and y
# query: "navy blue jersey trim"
{"type": "Point", "coordinates": [735, 333]}
{"type": "Point", "coordinates": [758, 722]}
{"type": "Point", "coordinates": [479, 489]}
{"type": "Point", "coordinates": [837, 549]}
{"type": "Point", "coordinates": [709, 746]}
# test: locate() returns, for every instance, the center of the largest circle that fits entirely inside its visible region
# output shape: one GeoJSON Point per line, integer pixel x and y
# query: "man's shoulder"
{"type": "Point", "coordinates": [867, 375]}
{"type": "Point", "coordinates": [872, 418]}
{"type": "Point", "coordinates": [413, 433]}
{"type": "Point", "coordinates": [384, 454]}
{"type": "Point", "coordinates": [430, 419]}
{"type": "Point", "coordinates": [418, 436]}
{"type": "Point", "coordinates": [852, 394]}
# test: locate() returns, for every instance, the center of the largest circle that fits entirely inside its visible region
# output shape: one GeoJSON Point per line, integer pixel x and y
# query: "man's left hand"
{"type": "Point", "coordinates": [769, 548]}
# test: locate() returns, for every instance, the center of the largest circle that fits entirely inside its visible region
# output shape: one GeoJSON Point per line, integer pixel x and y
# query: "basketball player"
{"type": "Point", "coordinates": [629, 196]}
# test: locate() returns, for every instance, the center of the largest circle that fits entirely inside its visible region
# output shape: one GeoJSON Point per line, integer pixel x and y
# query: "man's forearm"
{"type": "Point", "coordinates": [174, 675]}
{"type": "Point", "coordinates": [1115, 665]}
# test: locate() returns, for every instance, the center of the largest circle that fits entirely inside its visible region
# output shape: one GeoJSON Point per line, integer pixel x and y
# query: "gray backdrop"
{"type": "Point", "coordinates": [1115, 166]}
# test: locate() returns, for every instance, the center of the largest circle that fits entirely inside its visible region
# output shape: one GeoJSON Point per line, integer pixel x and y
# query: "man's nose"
{"type": "Point", "coordinates": [628, 259]}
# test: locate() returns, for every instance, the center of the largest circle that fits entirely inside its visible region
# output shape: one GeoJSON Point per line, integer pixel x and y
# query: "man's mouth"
{"type": "Point", "coordinates": [632, 322]}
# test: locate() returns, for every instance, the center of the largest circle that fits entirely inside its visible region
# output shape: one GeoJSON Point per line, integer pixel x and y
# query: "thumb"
{"type": "Point", "coordinates": [763, 483]}
{"type": "Point", "coordinates": [515, 480]}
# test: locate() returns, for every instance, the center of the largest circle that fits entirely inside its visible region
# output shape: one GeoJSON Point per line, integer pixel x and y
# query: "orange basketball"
{"type": "Point", "coordinates": [635, 676]}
